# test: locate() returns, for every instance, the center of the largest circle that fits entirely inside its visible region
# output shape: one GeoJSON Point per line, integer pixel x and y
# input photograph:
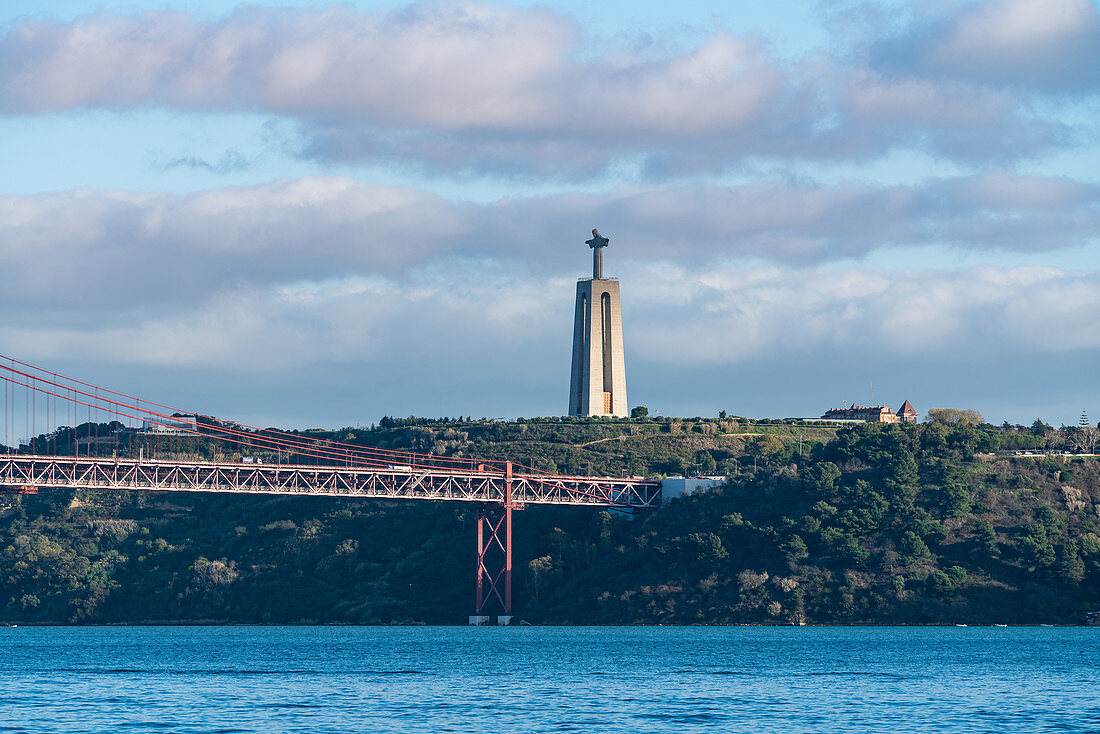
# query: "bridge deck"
{"type": "Point", "coordinates": [171, 475]}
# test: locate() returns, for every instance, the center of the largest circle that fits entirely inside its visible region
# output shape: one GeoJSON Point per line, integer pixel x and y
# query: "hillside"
{"type": "Point", "coordinates": [601, 447]}
{"type": "Point", "coordinates": [871, 524]}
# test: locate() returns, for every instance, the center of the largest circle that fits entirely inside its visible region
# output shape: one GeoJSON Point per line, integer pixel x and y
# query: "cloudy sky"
{"type": "Point", "coordinates": [315, 214]}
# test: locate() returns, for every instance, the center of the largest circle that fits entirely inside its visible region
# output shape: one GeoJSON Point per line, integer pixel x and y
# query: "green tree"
{"type": "Point", "coordinates": [955, 501]}
{"type": "Point", "coordinates": [903, 469]}
{"type": "Point", "coordinates": [539, 572]}
{"type": "Point", "coordinates": [707, 548]}
{"type": "Point", "coordinates": [705, 462]}
{"type": "Point", "coordinates": [844, 546]}
{"type": "Point", "coordinates": [940, 583]}
{"type": "Point", "coordinates": [1037, 550]}
{"type": "Point", "coordinates": [1048, 517]}
{"type": "Point", "coordinates": [639, 411]}
{"type": "Point", "coordinates": [911, 548]}
{"type": "Point", "coordinates": [985, 539]}
{"type": "Point", "coordinates": [795, 549]}
{"type": "Point", "coordinates": [933, 531]}
{"type": "Point", "coordinates": [1090, 550]}
{"type": "Point", "coordinates": [821, 479]}
{"type": "Point", "coordinates": [765, 448]}
{"type": "Point", "coordinates": [957, 574]}
{"type": "Point", "coordinates": [1071, 569]}
{"type": "Point", "coordinates": [1038, 428]}
{"type": "Point", "coordinates": [955, 416]}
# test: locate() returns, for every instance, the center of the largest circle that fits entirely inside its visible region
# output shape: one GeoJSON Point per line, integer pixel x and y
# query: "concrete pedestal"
{"type": "Point", "coordinates": [597, 383]}
{"type": "Point", "coordinates": [504, 619]}
{"type": "Point", "coordinates": [479, 619]}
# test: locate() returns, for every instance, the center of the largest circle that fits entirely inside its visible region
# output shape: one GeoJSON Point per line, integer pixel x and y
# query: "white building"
{"type": "Point", "coordinates": [676, 487]}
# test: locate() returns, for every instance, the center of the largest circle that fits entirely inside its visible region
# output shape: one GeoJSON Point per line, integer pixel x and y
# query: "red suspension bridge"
{"type": "Point", "coordinates": [60, 432]}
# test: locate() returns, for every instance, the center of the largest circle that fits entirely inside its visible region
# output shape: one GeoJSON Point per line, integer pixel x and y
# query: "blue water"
{"type": "Point", "coordinates": [440, 679]}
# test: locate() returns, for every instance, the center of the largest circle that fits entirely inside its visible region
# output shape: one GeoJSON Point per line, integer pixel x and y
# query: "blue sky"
{"type": "Point", "coordinates": [318, 214]}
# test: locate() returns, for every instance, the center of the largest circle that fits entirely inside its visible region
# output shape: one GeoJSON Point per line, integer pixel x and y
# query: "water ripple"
{"type": "Point", "coordinates": [209, 680]}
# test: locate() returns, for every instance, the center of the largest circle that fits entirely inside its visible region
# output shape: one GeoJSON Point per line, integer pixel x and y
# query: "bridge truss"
{"type": "Point", "coordinates": [171, 475]}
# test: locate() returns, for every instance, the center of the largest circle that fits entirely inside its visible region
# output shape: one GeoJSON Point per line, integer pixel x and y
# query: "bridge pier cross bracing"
{"type": "Point", "coordinates": [499, 546]}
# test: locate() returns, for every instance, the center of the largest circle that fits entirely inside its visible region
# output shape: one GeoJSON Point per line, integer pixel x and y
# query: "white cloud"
{"type": "Point", "coordinates": [107, 249]}
{"type": "Point", "coordinates": [734, 316]}
{"type": "Point", "coordinates": [1048, 45]}
{"type": "Point", "coordinates": [929, 104]}
{"type": "Point", "coordinates": [999, 190]}
{"type": "Point", "coordinates": [307, 324]}
{"type": "Point", "coordinates": [672, 315]}
{"type": "Point", "coordinates": [439, 66]}
{"type": "Point", "coordinates": [490, 89]}
{"type": "Point", "coordinates": [1013, 30]}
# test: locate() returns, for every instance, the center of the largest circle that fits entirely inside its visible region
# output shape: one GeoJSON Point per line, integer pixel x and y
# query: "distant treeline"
{"type": "Point", "coordinates": [869, 523]}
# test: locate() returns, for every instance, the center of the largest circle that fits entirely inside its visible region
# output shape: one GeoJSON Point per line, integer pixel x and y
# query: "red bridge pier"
{"type": "Point", "coordinates": [494, 557]}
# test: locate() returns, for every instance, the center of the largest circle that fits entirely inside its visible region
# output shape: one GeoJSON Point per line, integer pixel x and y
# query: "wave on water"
{"type": "Point", "coordinates": [228, 671]}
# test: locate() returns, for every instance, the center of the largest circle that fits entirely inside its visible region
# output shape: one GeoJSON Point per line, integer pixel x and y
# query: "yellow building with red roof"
{"type": "Point", "coordinates": [873, 414]}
